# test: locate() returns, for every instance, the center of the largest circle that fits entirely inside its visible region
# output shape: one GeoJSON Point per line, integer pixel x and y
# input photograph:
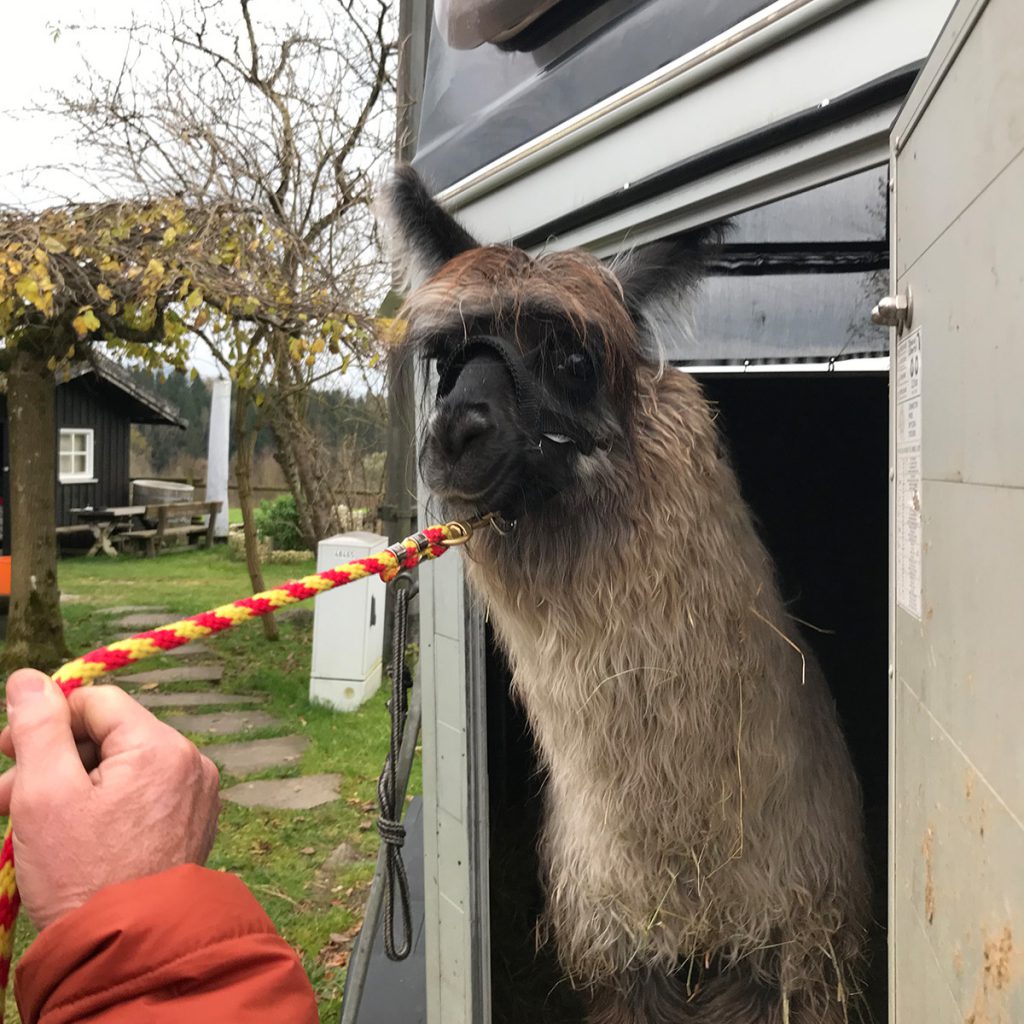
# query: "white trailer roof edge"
{"type": "Point", "coordinates": [704, 101]}
{"type": "Point", "coordinates": [752, 35]}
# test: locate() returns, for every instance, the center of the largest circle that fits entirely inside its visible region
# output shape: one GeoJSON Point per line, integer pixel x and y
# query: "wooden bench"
{"type": "Point", "coordinates": [69, 531]}
{"type": "Point", "coordinates": [177, 520]}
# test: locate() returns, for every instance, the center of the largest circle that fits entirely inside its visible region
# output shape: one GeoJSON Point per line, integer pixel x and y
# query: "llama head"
{"type": "Point", "coordinates": [538, 357]}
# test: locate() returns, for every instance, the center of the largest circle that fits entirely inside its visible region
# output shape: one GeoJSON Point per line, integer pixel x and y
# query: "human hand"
{"type": "Point", "coordinates": [102, 792]}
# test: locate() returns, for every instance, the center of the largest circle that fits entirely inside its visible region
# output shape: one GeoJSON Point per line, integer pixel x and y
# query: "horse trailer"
{"type": "Point", "coordinates": [868, 153]}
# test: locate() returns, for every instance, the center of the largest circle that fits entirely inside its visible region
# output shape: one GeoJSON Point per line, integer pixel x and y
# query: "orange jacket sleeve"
{"type": "Point", "coordinates": [187, 945]}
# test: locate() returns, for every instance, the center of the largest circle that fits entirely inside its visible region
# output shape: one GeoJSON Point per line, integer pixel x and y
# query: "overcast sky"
{"type": "Point", "coordinates": [33, 64]}
{"type": "Point", "coordinates": [45, 53]}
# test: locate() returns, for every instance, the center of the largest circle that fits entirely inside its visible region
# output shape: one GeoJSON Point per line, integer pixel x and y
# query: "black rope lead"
{"type": "Point", "coordinates": [389, 823]}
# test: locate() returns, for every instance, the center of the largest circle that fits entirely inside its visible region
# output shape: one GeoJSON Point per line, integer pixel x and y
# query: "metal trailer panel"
{"type": "Point", "coordinates": [956, 759]}
{"type": "Point", "coordinates": [484, 103]}
{"type": "Point", "coordinates": [719, 95]}
{"type": "Point", "coordinates": [455, 815]}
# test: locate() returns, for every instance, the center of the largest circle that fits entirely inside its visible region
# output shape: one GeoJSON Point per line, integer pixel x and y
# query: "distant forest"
{"type": "Point", "coordinates": [340, 420]}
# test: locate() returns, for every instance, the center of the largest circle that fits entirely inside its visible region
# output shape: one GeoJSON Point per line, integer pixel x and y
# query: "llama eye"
{"type": "Point", "coordinates": [574, 375]}
{"type": "Point", "coordinates": [576, 367]}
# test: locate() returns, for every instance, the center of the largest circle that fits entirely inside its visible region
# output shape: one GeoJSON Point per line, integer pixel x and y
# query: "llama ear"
{"type": "Point", "coordinates": [422, 236]}
{"type": "Point", "coordinates": [664, 272]}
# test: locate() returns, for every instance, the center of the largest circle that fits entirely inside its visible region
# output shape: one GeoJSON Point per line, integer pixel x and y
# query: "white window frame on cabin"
{"type": "Point", "coordinates": [88, 452]}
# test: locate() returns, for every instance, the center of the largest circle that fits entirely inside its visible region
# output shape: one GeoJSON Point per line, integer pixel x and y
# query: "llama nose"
{"type": "Point", "coordinates": [463, 426]}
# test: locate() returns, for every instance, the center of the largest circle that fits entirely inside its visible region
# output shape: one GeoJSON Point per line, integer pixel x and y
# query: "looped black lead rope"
{"type": "Point", "coordinates": [389, 823]}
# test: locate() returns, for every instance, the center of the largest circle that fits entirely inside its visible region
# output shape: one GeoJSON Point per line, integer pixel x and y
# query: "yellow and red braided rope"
{"type": "Point", "coordinates": [430, 543]}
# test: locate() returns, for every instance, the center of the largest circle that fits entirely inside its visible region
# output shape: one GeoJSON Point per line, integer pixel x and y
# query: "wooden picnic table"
{"type": "Point", "coordinates": [193, 520]}
{"type": "Point", "coordinates": [105, 522]}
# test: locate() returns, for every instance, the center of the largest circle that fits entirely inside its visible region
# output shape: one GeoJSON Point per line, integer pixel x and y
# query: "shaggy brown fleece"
{"type": "Point", "coordinates": [702, 849]}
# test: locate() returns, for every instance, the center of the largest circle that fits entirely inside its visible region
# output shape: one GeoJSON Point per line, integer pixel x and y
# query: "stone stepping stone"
{"type": "Point", "coordinates": [187, 650]}
{"type": "Point", "coordinates": [146, 620]}
{"type": "Point", "coordinates": [301, 613]}
{"type": "Point", "coordinates": [257, 755]}
{"type": "Point", "coordinates": [195, 700]}
{"type": "Point", "coordinates": [178, 674]}
{"type": "Point", "coordinates": [222, 723]}
{"type": "Point", "coordinates": [299, 794]}
{"type": "Point", "coordinates": [339, 860]}
{"type": "Point", "coordinates": [129, 609]}
{"type": "Point", "coordinates": [194, 647]}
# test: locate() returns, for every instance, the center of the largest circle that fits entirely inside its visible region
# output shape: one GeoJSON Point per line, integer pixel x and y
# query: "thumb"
{"type": "Point", "coordinates": [40, 723]}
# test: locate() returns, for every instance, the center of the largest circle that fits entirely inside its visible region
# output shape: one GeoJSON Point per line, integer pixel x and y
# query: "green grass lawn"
{"type": "Point", "coordinates": [277, 853]}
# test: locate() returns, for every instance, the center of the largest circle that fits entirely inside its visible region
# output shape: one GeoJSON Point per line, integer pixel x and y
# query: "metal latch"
{"type": "Point", "coordinates": [894, 311]}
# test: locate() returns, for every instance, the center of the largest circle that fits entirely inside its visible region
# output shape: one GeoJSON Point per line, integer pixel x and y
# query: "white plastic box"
{"type": "Point", "coordinates": [348, 627]}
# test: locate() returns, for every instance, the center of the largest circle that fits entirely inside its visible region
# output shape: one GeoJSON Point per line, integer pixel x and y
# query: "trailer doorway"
{"type": "Point", "coordinates": [811, 454]}
{"type": "Point", "coordinates": [810, 450]}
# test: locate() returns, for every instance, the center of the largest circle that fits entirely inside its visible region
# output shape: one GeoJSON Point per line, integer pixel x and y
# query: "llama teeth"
{"type": "Point", "coordinates": [559, 438]}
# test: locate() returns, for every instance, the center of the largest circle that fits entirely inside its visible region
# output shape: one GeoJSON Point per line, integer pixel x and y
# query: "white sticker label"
{"type": "Point", "coordinates": [908, 474]}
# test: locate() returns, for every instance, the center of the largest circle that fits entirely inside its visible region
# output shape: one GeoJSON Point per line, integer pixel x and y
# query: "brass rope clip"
{"type": "Point", "coordinates": [462, 529]}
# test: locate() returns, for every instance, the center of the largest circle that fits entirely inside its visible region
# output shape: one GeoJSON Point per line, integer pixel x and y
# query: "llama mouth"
{"type": "Point", "coordinates": [501, 495]}
{"type": "Point", "coordinates": [481, 499]}
{"type": "Point", "coordinates": [522, 477]}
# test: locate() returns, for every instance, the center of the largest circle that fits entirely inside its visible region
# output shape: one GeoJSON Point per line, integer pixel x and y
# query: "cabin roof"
{"type": "Point", "coordinates": [141, 405]}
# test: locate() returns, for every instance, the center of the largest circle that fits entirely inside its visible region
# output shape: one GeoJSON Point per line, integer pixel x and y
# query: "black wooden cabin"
{"type": "Point", "coordinates": [97, 402]}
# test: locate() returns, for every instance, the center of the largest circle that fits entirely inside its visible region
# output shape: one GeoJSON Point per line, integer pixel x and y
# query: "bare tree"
{"type": "Point", "coordinates": [136, 278]}
{"type": "Point", "coordinates": [214, 102]}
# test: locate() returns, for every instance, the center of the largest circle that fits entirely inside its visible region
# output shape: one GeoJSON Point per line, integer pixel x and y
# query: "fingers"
{"type": "Point", "coordinates": [89, 754]}
{"type": "Point", "coordinates": [6, 788]}
{"type": "Point", "coordinates": [40, 730]}
{"type": "Point", "coordinates": [87, 750]}
{"type": "Point", "coordinates": [115, 722]}
{"type": "Point", "coordinates": [45, 728]}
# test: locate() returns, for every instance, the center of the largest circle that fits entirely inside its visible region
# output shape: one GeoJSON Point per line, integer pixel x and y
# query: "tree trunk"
{"type": "Point", "coordinates": [298, 454]}
{"type": "Point", "coordinates": [399, 510]}
{"type": "Point", "coordinates": [35, 628]}
{"type": "Point", "coordinates": [320, 497]}
{"type": "Point", "coordinates": [245, 443]}
{"type": "Point", "coordinates": [285, 459]}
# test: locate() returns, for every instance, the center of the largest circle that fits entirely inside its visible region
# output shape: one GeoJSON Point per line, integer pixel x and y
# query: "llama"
{"type": "Point", "coordinates": [702, 848]}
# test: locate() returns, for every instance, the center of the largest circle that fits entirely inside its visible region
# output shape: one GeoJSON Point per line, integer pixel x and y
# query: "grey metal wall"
{"type": "Point", "coordinates": [957, 761]}
{"type": "Point", "coordinates": [454, 796]}
{"type": "Point", "coordinates": [730, 120]}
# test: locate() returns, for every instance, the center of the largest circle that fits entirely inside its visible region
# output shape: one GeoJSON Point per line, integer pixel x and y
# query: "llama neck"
{"type": "Point", "coordinates": [661, 556]}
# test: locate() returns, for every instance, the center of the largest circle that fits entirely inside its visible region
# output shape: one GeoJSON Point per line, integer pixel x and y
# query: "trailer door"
{"type": "Point", "coordinates": [957, 528]}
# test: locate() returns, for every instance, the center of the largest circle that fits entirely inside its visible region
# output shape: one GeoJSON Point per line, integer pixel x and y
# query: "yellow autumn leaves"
{"type": "Point", "coordinates": [85, 322]}
{"type": "Point", "coordinates": [141, 277]}
{"type": "Point", "coordinates": [32, 282]}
